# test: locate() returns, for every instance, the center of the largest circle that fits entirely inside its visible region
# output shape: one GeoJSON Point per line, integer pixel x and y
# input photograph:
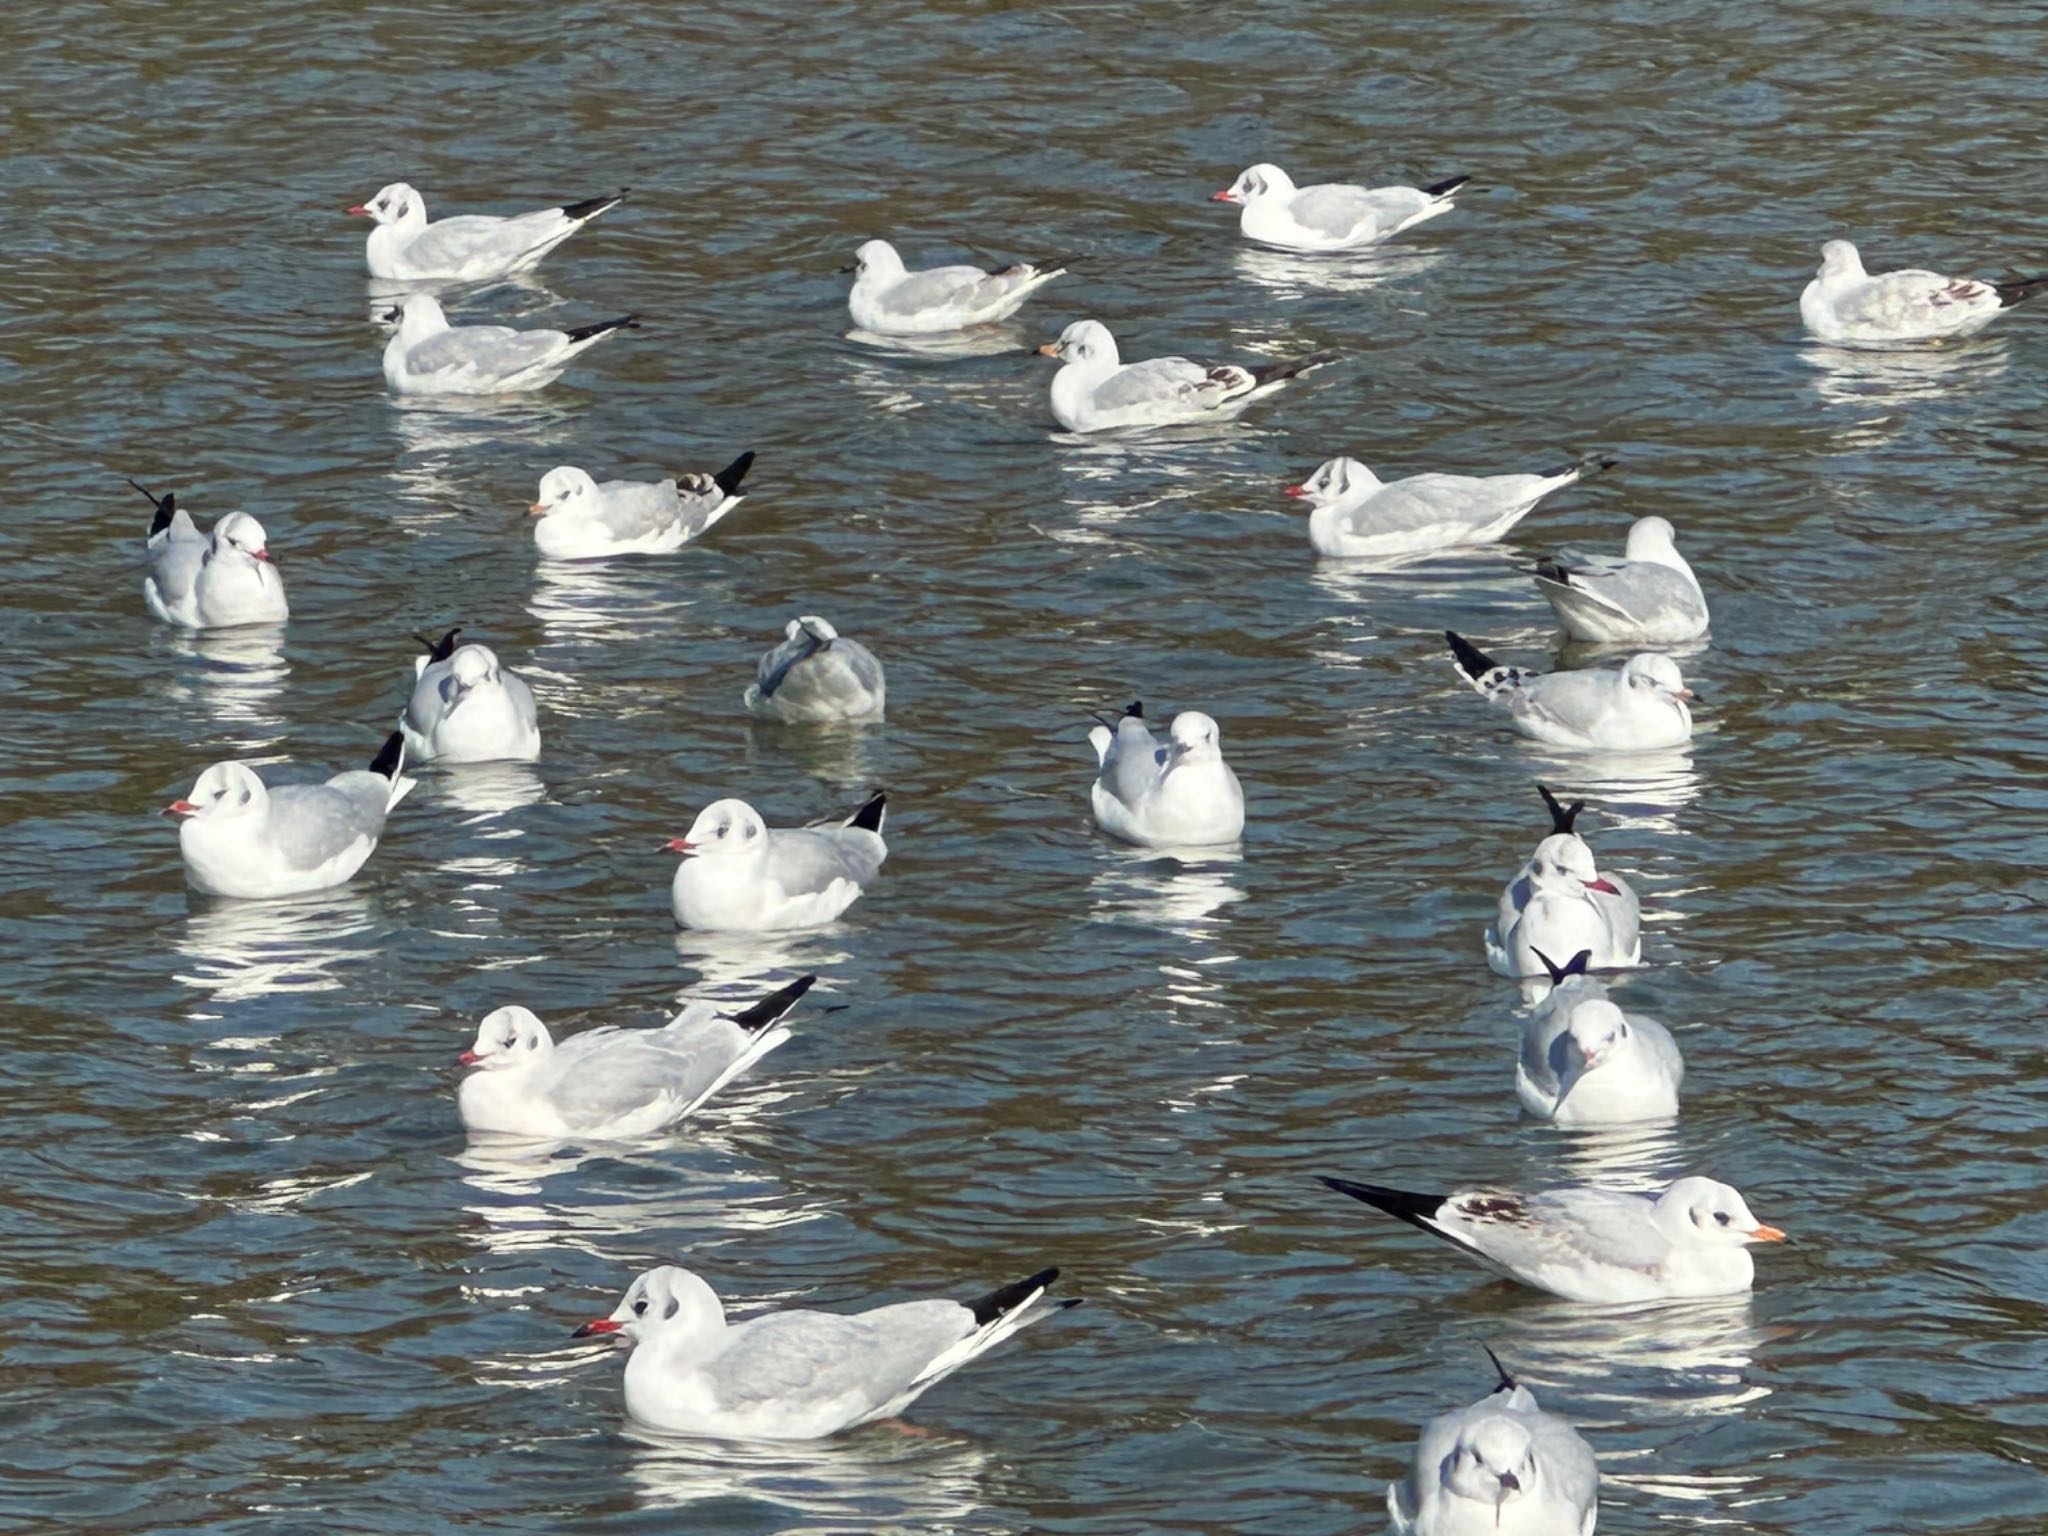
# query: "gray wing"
{"type": "Point", "coordinates": [311, 823]}
{"type": "Point", "coordinates": [175, 563]}
{"type": "Point", "coordinates": [803, 860]}
{"type": "Point", "coordinates": [429, 699]}
{"type": "Point", "coordinates": [815, 1357]}
{"type": "Point", "coordinates": [934, 288]}
{"type": "Point", "coordinates": [1567, 1462]}
{"type": "Point", "coordinates": [605, 1074]}
{"type": "Point", "coordinates": [1604, 1226]}
{"type": "Point", "coordinates": [458, 241]}
{"type": "Point", "coordinates": [1578, 701]}
{"type": "Point", "coordinates": [1442, 501]}
{"type": "Point", "coordinates": [494, 351]}
{"type": "Point", "coordinates": [1171, 381]}
{"type": "Point", "coordinates": [637, 509]}
{"type": "Point", "coordinates": [1133, 763]}
{"type": "Point", "coordinates": [1656, 1039]}
{"type": "Point", "coordinates": [1914, 297]}
{"type": "Point", "coordinates": [1336, 210]}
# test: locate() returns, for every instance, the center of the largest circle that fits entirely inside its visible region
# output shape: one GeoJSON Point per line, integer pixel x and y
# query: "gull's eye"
{"type": "Point", "coordinates": [723, 828]}
{"type": "Point", "coordinates": [640, 1307]}
{"type": "Point", "coordinates": [510, 1041]}
{"type": "Point", "coordinates": [1721, 1218]}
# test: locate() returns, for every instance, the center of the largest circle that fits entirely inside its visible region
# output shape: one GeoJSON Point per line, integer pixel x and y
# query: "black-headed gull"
{"type": "Point", "coordinates": [1332, 216]}
{"type": "Point", "coordinates": [218, 580]}
{"type": "Point", "coordinates": [1355, 514]}
{"type": "Point", "coordinates": [1502, 1467]}
{"type": "Point", "coordinates": [815, 675]}
{"type": "Point", "coordinates": [610, 1083]}
{"type": "Point", "coordinates": [241, 837]}
{"type": "Point", "coordinates": [888, 300]}
{"type": "Point", "coordinates": [1847, 305]}
{"type": "Point", "coordinates": [1561, 902]}
{"type": "Point", "coordinates": [1593, 1245]}
{"type": "Point", "coordinates": [1179, 795]}
{"type": "Point", "coordinates": [739, 874]}
{"type": "Point", "coordinates": [1585, 1062]}
{"type": "Point", "coordinates": [1640, 708]}
{"type": "Point", "coordinates": [468, 708]}
{"type": "Point", "coordinates": [1095, 391]}
{"type": "Point", "coordinates": [580, 519]}
{"type": "Point", "coordinates": [797, 1374]}
{"type": "Point", "coordinates": [1647, 597]}
{"type": "Point", "coordinates": [404, 247]}
{"type": "Point", "coordinates": [428, 356]}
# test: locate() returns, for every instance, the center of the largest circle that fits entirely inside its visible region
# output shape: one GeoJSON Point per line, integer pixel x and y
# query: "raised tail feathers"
{"type": "Point", "coordinates": [728, 479]}
{"type": "Point", "coordinates": [1472, 661]}
{"type": "Point", "coordinates": [583, 333]}
{"type": "Point", "coordinates": [761, 1015]}
{"type": "Point", "coordinates": [1280, 373]}
{"type": "Point", "coordinates": [1447, 186]}
{"type": "Point", "coordinates": [871, 814]}
{"type": "Point", "coordinates": [591, 207]}
{"type": "Point", "coordinates": [1584, 469]}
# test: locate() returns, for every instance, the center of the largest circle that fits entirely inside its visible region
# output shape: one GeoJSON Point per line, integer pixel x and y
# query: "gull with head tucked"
{"type": "Point", "coordinates": [888, 300]}
{"type": "Point", "coordinates": [428, 356]}
{"type": "Point", "coordinates": [579, 519]}
{"type": "Point", "coordinates": [1096, 391]}
{"type": "Point", "coordinates": [1848, 306]}
{"type": "Point", "coordinates": [404, 247]}
{"type": "Point", "coordinates": [1182, 794]}
{"type": "Point", "coordinates": [218, 580]}
{"type": "Point", "coordinates": [1501, 1467]}
{"type": "Point", "coordinates": [241, 837]}
{"type": "Point", "coordinates": [797, 1374]}
{"type": "Point", "coordinates": [740, 875]}
{"type": "Point", "coordinates": [1647, 597]}
{"type": "Point", "coordinates": [1585, 1062]}
{"type": "Point", "coordinates": [1330, 216]}
{"type": "Point", "coordinates": [1640, 708]}
{"type": "Point", "coordinates": [467, 708]}
{"type": "Point", "coordinates": [816, 675]}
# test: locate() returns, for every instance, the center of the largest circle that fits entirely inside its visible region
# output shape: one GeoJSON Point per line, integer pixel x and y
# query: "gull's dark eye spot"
{"type": "Point", "coordinates": [1721, 1218]}
{"type": "Point", "coordinates": [510, 1041]}
{"type": "Point", "coordinates": [640, 1307]}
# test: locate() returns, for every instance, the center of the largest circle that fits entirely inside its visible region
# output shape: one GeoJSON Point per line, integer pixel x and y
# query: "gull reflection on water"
{"type": "Point", "coordinates": [746, 965]}
{"type": "Point", "coordinates": [1294, 274]}
{"type": "Point", "coordinates": [839, 753]}
{"type": "Point", "coordinates": [239, 677]}
{"type": "Point", "coordinates": [382, 294]}
{"type": "Point", "coordinates": [1645, 1156]}
{"type": "Point", "coordinates": [1890, 377]}
{"type": "Point", "coordinates": [1644, 790]}
{"type": "Point", "coordinates": [442, 440]}
{"type": "Point", "coordinates": [597, 602]}
{"type": "Point", "coordinates": [242, 949]}
{"type": "Point", "coordinates": [488, 790]}
{"type": "Point", "coordinates": [1184, 890]}
{"type": "Point", "coordinates": [875, 1479]}
{"type": "Point", "coordinates": [1007, 338]}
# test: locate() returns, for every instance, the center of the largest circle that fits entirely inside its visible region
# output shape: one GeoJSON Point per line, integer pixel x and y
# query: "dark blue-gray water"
{"type": "Point", "coordinates": [251, 1277]}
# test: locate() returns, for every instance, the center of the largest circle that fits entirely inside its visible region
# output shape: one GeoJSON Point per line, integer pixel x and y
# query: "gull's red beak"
{"type": "Point", "coordinates": [181, 809]}
{"type": "Point", "coordinates": [1603, 885]}
{"type": "Point", "coordinates": [537, 509]}
{"type": "Point", "coordinates": [468, 1059]}
{"type": "Point", "coordinates": [1297, 490]}
{"type": "Point", "coordinates": [1767, 1235]}
{"type": "Point", "coordinates": [591, 1330]}
{"type": "Point", "coordinates": [261, 554]}
{"type": "Point", "coordinates": [680, 845]}
{"type": "Point", "coordinates": [1050, 349]}
{"type": "Point", "coordinates": [1225, 196]}
{"type": "Point", "coordinates": [358, 212]}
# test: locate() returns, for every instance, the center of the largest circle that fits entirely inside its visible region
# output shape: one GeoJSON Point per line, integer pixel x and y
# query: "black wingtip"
{"type": "Point", "coordinates": [1447, 186]}
{"type": "Point", "coordinates": [870, 815]}
{"type": "Point", "coordinates": [441, 649]}
{"type": "Point", "coordinates": [1576, 966]}
{"type": "Point", "coordinates": [1472, 661]}
{"type": "Point", "coordinates": [1007, 1299]}
{"type": "Point", "coordinates": [603, 328]}
{"type": "Point", "coordinates": [1585, 469]}
{"type": "Point", "coordinates": [1561, 817]}
{"type": "Point", "coordinates": [390, 757]}
{"type": "Point", "coordinates": [591, 207]}
{"type": "Point", "coordinates": [166, 507]}
{"type": "Point", "coordinates": [760, 1015]}
{"type": "Point", "coordinates": [1415, 1209]}
{"type": "Point", "coordinates": [728, 479]}
{"type": "Point", "coordinates": [1135, 710]}
{"type": "Point", "coordinates": [2020, 289]}
{"type": "Point", "coordinates": [1553, 570]}
{"type": "Point", "coordinates": [1506, 1383]}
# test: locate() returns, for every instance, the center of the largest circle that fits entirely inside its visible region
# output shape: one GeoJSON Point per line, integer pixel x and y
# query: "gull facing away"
{"type": "Point", "coordinates": [467, 708]}
{"type": "Point", "coordinates": [428, 356]}
{"type": "Point", "coordinates": [218, 580]}
{"type": "Point", "coordinates": [609, 1083]}
{"type": "Point", "coordinates": [798, 1374]}
{"type": "Point", "coordinates": [1355, 514]}
{"type": "Point", "coordinates": [816, 675]}
{"type": "Point", "coordinates": [1562, 902]}
{"type": "Point", "coordinates": [1847, 305]}
{"type": "Point", "coordinates": [888, 300]}
{"type": "Point", "coordinates": [1095, 391]}
{"type": "Point", "coordinates": [1585, 1062]}
{"type": "Point", "coordinates": [740, 875]}
{"type": "Point", "coordinates": [580, 519]}
{"type": "Point", "coordinates": [1502, 1467]}
{"type": "Point", "coordinates": [1647, 597]}
{"type": "Point", "coordinates": [1640, 708]}
{"type": "Point", "coordinates": [1178, 795]}
{"type": "Point", "coordinates": [1593, 1245]}
{"type": "Point", "coordinates": [405, 248]}
{"type": "Point", "coordinates": [1330, 216]}
{"type": "Point", "coordinates": [241, 837]}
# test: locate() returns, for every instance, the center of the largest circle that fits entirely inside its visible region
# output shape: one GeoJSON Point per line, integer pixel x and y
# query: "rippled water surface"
{"type": "Point", "coordinates": [252, 1278]}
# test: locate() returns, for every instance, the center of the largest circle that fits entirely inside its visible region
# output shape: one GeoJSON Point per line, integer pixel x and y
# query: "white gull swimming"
{"type": "Point", "coordinates": [1355, 514]}
{"type": "Point", "coordinates": [428, 356]}
{"type": "Point", "coordinates": [580, 519]}
{"type": "Point", "coordinates": [816, 675]}
{"type": "Point", "coordinates": [1096, 391]}
{"type": "Point", "coordinates": [1561, 902]}
{"type": "Point", "coordinates": [740, 874]}
{"type": "Point", "coordinates": [1583, 1061]}
{"type": "Point", "coordinates": [468, 708]}
{"type": "Point", "coordinates": [1851, 307]}
{"type": "Point", "coordinates": [1649, 596]}
{"type": "Point", "coordinates": [218, 580]}
{"type": "Point", "coordinates": [1639, 708]}
{"type": "Point", "coordinates": [889, 300]}
{"type": "Point", "coordinates": [404, 247]}
{"type": "Point", "coordinates": [1181, 794]}
{"type": "Point", "coordinates": [1330, 216]}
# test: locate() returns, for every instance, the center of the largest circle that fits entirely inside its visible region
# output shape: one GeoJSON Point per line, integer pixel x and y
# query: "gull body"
{"type": "Point", "coordinates": [1181, 794]}
{"type": "Point", "coordinates": [1649, 596]}
{"type": "Point", "coordinates": [739, 874]}
{"type": "Point", "coordinates": [579, 519]}
{"type": "Point", "coordinates": [889, 300]}
{"type": "Point", "coordinates": [428, 356]}
{"type": "Point", "coordinates": [1354, 514]}
{"type": "Point", "coordinates": [468, 708]}
{"type": "Point", "coordinates": [241, 837]}
{"type": "Point", "coordinates": [1585, 1062]}
{"type": "Point", "coordinates": [218, 580]}
{"type": "Point", "coordinates": [1639, 708]}
{"type": "Point", "coordinates": [797, 1374]}
{"type": "Point", "coordinates": [1561, 902]}
{"type": "Point", "coordinates": [1851, 307]}
{"type": "Point", "coordinates": [1593, 1245]}
{"type": "Point", "coordinates": [816, 675]}
{"type": "Point", "coordinates": [1096, 391]}
{"type": "Point", "coordinates": [1331, 216]}
{"type": "Point", "coordinates": [608, 1083]}
{"type": "Point", "coordinates": [404, 247]}
{"type": "Point", "coordinates": [1501, 1467]}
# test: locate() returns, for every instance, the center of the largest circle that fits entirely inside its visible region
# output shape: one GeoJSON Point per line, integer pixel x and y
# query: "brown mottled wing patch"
{"type": "Point", "coordinates": [1232, 378]}
{"type": "Point", "coordinates": [1963, 290]}
{"type": "Point", "coordinates": [1497, 1206]}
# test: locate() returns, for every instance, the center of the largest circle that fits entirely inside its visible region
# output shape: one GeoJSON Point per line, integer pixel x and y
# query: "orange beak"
{"type": "Point", "coordinates": [1050, 349]}
{"type": "Point", "coordinates": [538, 509]}
{"type": "Point", "coordinates": [1767, 1235]}
{"type": "Point", "coordinates": [1687, 693]}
